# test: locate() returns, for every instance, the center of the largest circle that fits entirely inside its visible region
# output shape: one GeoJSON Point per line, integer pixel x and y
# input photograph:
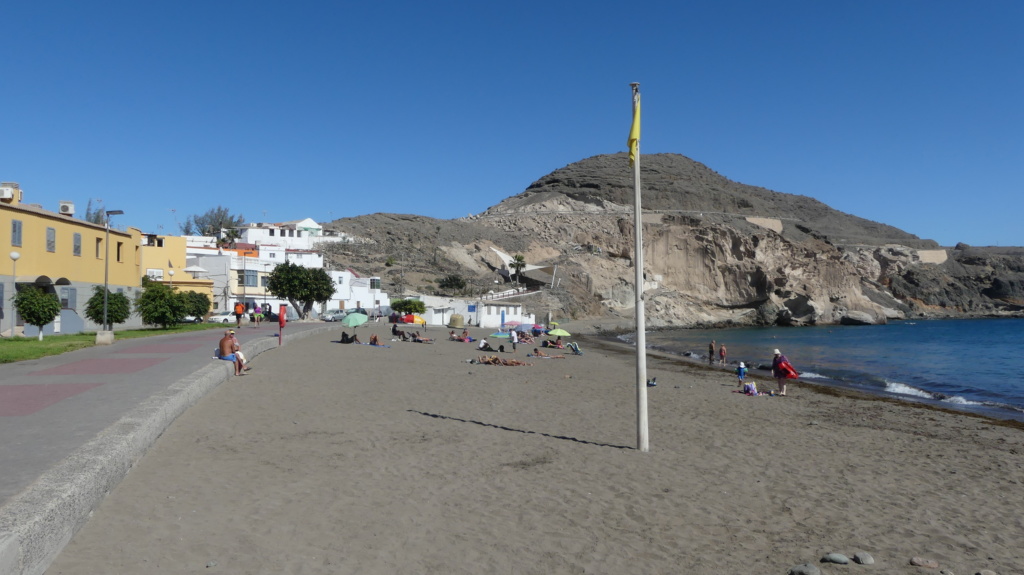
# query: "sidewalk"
{"type": "Point", "coordinates": [73, 425]}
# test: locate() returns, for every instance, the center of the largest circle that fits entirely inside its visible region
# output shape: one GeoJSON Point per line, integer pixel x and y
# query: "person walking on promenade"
{"type": "Point", "coordinates": [239, 311]}
{"type": "Point", "coordinates": [782, 370]}
{"type": "Point", "coordinates": [721, 354]}
{"type": "Point", "coordinates": [711, 353]}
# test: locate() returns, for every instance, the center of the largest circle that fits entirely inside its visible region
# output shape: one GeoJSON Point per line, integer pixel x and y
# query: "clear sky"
{"type": "Point", "coordinates": [907, 112]}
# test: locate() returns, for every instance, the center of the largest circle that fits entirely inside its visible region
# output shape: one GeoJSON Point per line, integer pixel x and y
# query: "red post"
{"type": "Point", "coordinates": [280, 322]}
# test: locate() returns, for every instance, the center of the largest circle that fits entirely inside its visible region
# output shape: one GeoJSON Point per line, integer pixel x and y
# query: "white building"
{"type": "Point", "coordinates": [295, 235]}
{"type": "Point", "coordinates": [241, 272]}
{"type": "Point", "coordinates": [477, 312]}
{"type": "Point", "coordinates": [352, 291]}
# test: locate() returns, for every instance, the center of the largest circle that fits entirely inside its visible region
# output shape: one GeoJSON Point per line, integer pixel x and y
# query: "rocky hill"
{"type": "Point", "coordinates": [716, 252]}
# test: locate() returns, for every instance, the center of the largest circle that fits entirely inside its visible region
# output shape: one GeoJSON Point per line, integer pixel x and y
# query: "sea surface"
{"type": "Point", "coordinates": [973, 365]}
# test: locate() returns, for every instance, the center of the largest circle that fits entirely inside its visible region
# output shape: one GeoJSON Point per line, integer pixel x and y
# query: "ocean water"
{"type": "Point", "coordinates": [973, 365]}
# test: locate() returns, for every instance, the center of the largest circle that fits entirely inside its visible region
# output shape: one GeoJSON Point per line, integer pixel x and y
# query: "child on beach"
{"type": "Point", "coordinates": [750, 388]}
{"type": "Point", "coordinates": [741, 374]}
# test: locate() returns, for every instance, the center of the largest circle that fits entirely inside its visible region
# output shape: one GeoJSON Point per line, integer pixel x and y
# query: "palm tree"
{"type": "Point", "coordinates": [518, 263]}
{"type": "Point", "coordinates": [229, 238]}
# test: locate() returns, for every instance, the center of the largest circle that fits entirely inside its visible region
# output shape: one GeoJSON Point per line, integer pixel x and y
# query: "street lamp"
{"type": "Point", "coordinates": [14, 263]}
{"type": "Point", "coordinates": [106, 266]}
{"type": "Point", "coordinates": [172, 278]}
{"type": "Point", "coordinates": [266, 267]}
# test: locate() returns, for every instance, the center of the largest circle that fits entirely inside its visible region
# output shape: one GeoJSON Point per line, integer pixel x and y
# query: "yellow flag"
{"type": "Point", "coordinates": [634, 131]}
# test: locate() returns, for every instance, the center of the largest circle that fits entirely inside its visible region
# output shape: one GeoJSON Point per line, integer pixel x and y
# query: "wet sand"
{"type": "Point", "coordinates": [332, 458]}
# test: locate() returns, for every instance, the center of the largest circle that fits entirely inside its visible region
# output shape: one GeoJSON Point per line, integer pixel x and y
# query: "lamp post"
{"type": "Point", "coordinates": [14, 272]}
{"type": "Point", "coordinates": [266, 268]}
{"type": "Point", "coordinates": [106, 266]}
{"type": "Point", "coordinates": [171, 272]}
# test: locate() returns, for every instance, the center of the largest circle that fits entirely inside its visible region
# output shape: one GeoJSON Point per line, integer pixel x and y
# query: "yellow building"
{"type": "Point", "coordinates": [63, 255]}
{"type": "Point", "coordinates": [163, 260]}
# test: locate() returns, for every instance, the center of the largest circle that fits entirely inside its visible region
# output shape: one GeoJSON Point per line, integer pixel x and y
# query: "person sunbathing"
{"type": "Point", "coordinates": [374, 340]}
{"type": "Point", "coordinates": [418, 339]}
{"type": "Point", "coordinates": [452, 336]}
{"type": "Point", "coordinates": [495, 360]}
{"type": "Point", "coordinates": [539, 353]}
{"type": "Point", "coordinates": [346, 339]}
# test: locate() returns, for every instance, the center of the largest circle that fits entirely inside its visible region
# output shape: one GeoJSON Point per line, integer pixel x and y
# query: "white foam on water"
{"type": "Point", "coordinates": [956, 399]}
{"type": "Point", "coordinates": [811, 375]}
{"type": "Point", "coordinates": [904, 389]}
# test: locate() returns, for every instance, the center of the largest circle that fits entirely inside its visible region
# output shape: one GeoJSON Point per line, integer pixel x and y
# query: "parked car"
{"type": "Point", "coordinates": [333, 315]}
{"type": "Point", "coordinates": [222, 317]}
{"type": "Point", "coordinates": [191, 319]}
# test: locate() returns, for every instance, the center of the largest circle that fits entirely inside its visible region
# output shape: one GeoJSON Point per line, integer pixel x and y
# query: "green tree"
{"type": "Point", "coordinates": [119, 307]}
{"type": "Point", "coordinates": [95, 215]}
{"type": "Point", "coordinates": [36, 306]}
{"type": "Point", "coordinates": [518, 263]}
{"type": "Point", "coordinates": [404, 306]}
{"type": "Point", "coordinates": [211, 223]}
{"type": "Point", "coordinates": [160, 305]}
{"type": "Point", "coordinates": [196, 304]}
{"type": "Point", "coordinates": [452, 283]}
{"type": "Point", "coordinates": [301, 286]}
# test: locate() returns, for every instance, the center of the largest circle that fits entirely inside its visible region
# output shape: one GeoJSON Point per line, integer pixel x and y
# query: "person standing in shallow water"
{"type": "Point", "coordinates": [711, 353]}
{"type": "Point", "coordinates": [721, 354]}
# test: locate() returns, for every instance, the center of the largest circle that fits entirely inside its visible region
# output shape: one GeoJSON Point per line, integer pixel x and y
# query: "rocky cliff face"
{"type": "Point", "coordinates": [716, 252]}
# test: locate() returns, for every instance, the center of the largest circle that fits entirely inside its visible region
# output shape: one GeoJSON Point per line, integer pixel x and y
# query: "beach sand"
{"type": "Point", "coordinates": [333, 458]}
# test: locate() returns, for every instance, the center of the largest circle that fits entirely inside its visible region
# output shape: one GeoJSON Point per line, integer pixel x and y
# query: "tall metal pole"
{"type": "Point", "coordinates": [638, 263]}
{"type": "Point", "coordinates": [106, 271]}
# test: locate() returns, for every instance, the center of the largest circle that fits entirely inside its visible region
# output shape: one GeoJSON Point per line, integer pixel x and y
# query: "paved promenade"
{"type": "Point", "coordinates": [73, 425]}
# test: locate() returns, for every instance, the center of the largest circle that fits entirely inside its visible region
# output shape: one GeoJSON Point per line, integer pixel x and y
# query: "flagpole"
{"type": "Point", "coordinates": [638, 263]}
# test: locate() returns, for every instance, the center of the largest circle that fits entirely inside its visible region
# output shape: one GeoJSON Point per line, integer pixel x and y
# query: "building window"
{"type": "Point", "coordinates": [271, 232]}
{"type": "Point", "coordinates": [51, 240]}
{"type": "Point", "coordinates": [16, 233]}
{"type": "Point", "coordinates": [99, 248]}
{"type": "Point", "coordinates": [298, 234]}
{"type": "Point", "coordinates": [264, 281]}
{"type": "Point", "coordinates": [247, 278]}
{"type": "Point", "coordinates": [155, 274]}
{"type": "Point", "coordinates": [273, 255]}
{"type": "Point", "coordinates": [76, 245]}
{"type": "Point", "coordinates": [69, 298]}
{"type": "Point", "coordinates": [120, 245]}
{"type": "Point", "coordinates": [341, 280]}
{"type": "Point", "coordinates": [291, 233]}
{"type": "Point", "coordinates": [375, 283]}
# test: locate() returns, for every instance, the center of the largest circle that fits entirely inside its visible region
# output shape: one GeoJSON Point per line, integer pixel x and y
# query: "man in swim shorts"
{"type": "Point", "coordinates": [226, 351]}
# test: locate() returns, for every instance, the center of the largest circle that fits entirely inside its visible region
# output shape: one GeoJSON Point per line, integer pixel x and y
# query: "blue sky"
{"type": "Point", "coordinates": [904, 112]}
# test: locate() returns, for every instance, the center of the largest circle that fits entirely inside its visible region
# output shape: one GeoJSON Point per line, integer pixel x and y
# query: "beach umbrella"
{"type": "Point", "coordinates": [554, 323]}
{"type": "Point", "coordinates": [559, 332]}
{"type": "Point", "coordinates": [537, 326]}
{"type": "Point", "coordinates": [417, 319]}
{"type": "Point", "coordinates": [500, 334]}
{"type": "Point", "coordinates": [354, 319]}
{"type": "Point", "coordinates": [512, 323]}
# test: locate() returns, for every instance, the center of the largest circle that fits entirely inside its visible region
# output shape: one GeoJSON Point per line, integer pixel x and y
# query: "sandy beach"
{"type": "Point", "coordinates": [332, 458]}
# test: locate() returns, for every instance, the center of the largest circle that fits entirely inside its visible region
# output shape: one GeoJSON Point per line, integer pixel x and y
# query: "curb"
{"type": "Point", "coordinates": [37, 523]}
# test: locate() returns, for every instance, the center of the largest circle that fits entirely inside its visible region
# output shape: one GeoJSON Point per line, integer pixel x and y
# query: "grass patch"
{"type": "Point", "coordinates": [26, 348]}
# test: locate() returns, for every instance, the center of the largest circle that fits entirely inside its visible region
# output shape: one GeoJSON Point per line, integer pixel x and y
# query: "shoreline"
{"type": "Point", "coordinates": [347, 458]}
{"type": "Point", "coordinates": [930, 398]}
{"type": "Point", "coordinates": [612, 343]}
